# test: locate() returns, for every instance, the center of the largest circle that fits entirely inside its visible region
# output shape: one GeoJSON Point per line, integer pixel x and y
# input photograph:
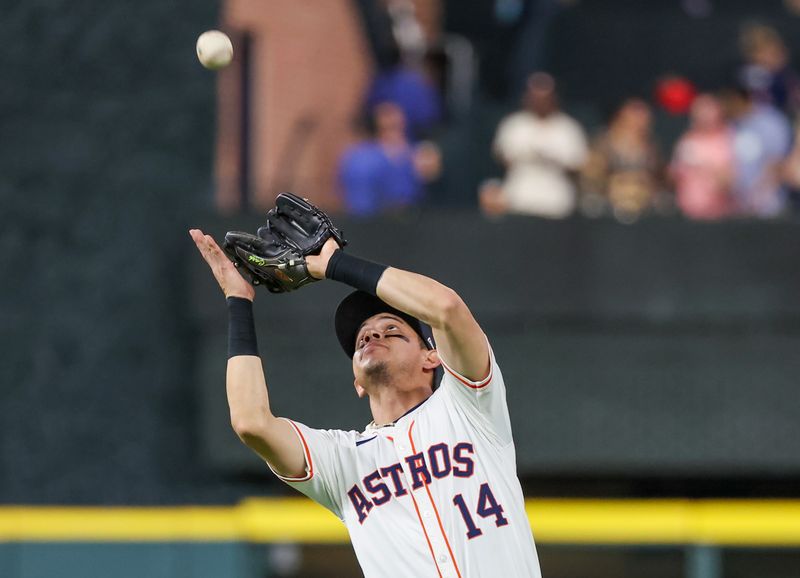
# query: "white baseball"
{"type": "Point", "coordinates": [214, 49]}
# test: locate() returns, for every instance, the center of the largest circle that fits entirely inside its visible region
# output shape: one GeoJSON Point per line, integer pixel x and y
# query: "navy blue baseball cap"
{"type": "Point", "coordinates": [360, 306]}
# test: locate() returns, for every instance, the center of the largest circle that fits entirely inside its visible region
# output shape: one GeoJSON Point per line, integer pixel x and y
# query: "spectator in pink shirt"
{"type": "Point", "coordinates": [703, 162]}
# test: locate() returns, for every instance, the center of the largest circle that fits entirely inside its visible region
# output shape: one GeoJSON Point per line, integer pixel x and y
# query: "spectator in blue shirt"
{"type": "Point", "coordinates": [762, 138]}
{"type": "Point", "coordinates": [386, 174]}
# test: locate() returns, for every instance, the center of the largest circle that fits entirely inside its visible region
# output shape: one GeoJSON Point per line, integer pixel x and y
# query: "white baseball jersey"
{"type": "Point", "coordinates": [434, 494]}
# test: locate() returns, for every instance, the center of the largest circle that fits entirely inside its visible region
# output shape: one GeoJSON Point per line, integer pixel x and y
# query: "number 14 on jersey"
{"type": "Point", "coordinates": [487, 506]}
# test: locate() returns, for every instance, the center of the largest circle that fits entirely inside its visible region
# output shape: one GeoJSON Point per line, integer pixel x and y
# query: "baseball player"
{"type": "Point", "coordinates": [429, 488]}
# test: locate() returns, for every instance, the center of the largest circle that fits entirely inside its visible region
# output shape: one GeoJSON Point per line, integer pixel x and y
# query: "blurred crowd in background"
{"type": "Point", "coordinates": [738, 155]}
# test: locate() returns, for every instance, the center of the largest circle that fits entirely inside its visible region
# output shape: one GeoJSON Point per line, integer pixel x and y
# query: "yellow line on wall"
{"type": "Point", "coordinates": [722, 522]}
{"type": "Point", "coordinates": [118, 524]}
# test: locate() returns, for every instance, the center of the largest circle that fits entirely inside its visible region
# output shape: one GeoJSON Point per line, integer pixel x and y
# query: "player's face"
{"type": "Point", "coordinates": [386, 344]}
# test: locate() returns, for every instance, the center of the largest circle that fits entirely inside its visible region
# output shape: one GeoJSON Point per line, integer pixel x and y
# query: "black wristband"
{"type": "Point", "coordinates": [241, 328]}
{"type": "Point", "coordinates": [354, 271]}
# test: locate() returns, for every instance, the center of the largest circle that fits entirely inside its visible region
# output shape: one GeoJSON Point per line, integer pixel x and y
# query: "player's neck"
{"type": "Point", "coordinates": [389, 405]}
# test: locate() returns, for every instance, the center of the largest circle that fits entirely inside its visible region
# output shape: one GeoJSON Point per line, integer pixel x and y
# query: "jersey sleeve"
{"type": "Point", "coordinates": [483, 402]}
{"type": "Point", "coordinates": [322, 481]}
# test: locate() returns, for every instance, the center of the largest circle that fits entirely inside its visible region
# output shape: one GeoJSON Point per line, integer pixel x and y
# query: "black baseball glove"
{"type": "Point", "coordinates": [275, 257]}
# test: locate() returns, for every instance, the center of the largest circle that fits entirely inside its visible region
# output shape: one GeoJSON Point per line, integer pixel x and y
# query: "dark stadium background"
{"type": "Point", "coordinates": [652, 361]}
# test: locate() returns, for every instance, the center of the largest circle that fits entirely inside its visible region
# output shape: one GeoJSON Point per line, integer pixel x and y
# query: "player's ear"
{"type": "Point", "coordinates": [432, 360]}
{"type": "Point", "coordinates": [360, 391]}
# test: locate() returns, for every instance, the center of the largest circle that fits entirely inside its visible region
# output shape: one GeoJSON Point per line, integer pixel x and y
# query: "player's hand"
{"type": "Point", "coordinates": [318, 264]}
{"type": "Point", "coordinates": [230, 280]}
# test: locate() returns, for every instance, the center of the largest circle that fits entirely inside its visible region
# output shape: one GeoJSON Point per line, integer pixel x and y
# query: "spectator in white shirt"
{"type": "Point", "coordinates": [541, 148]}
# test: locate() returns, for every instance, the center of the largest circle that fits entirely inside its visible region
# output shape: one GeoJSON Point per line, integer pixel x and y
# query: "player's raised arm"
{"type": "Point", "coordinates": [458, 336]}
{"type": "Point", "coordinates": [252, 420]}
